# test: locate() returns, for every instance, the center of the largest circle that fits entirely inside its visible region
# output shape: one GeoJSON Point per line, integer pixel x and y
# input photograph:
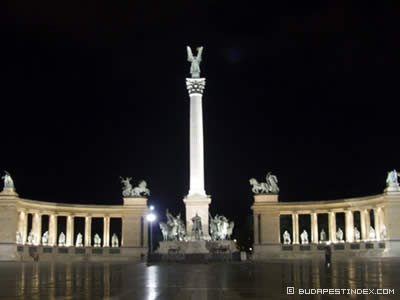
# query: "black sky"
{"type": "Point", "coordinates": [308, 91]}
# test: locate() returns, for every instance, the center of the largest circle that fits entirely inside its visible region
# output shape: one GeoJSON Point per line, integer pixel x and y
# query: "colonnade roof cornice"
{"type": "Point", "coordinates": [76, 209]}
{"type": "Point", "coordinates": [340, 205]}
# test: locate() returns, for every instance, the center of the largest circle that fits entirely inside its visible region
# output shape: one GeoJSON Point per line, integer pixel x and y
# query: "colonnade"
{"type": "Point", "coordinates": [365, 223]}
{"type": "Point", "coordinates": [22, 227]}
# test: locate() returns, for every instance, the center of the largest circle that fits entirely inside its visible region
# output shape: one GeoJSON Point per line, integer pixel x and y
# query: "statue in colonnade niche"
{"type": "Point", "coordinates": [383, 233]}
{"type": "Point", "coordinates": [286, 237]}
{"type": "Point", "coordinates": [18, 238]}
{"type": "Point", "coordinates": [79, 240]}
{"type": "Point", "coordinates": [372, 233]}
{"type": "Point", "coordinates": [97, 240]}
{"type": "Point", "coordinates": [8, 181]}
{"type": "Point", "coordinates": [45, 238]}
{"type": "Point", "coordinates": [339, 235]}
{"type": "Point", "coordinates": [304, 237]}
{"type": "Point", "coordinates": [357, 235]}
{"type": "Point", "coordinates": [61, 239]}
{"type": "Point", "coordinates": [114, 241]}
{"type": "Point", "coordinates": [322, 235]}
{"type": "Point", "coordinates": [197, 229]}
{"type": "Point", "coordinates": [30, 238]}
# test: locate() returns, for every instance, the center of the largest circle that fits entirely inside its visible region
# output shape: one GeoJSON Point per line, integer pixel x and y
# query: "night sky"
{"type": "Point", "coordinates": [91, 92]}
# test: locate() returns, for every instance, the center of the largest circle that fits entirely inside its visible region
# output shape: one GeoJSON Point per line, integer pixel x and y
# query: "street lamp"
{"type": "Point", "coordinates": [151, 217]}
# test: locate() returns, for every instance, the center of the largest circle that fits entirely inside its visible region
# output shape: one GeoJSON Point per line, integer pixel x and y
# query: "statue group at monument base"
{"type": "Point", "coordinates": [196, 251]}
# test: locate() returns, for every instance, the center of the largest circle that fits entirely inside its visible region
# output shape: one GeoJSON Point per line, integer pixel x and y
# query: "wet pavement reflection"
{"type": "Point", "coordinates": [249, 280]}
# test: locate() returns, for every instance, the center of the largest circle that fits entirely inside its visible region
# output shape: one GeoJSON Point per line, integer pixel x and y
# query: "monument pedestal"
{"type": "Point", "coordinates": [195, 251]}
{"type": "Point", "coordinates": [197, 204]}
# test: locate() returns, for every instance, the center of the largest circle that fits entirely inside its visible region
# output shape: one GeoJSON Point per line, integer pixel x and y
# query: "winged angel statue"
{"type": "Point", "coordinates": [195, 60]}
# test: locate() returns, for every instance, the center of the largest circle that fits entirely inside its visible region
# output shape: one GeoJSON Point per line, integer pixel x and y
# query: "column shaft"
{"type": "Point", "coordinates": [196, 145]}
{"type": "Point", "coordinates": [37, 228]}
{"type": "Point", "coordinates": [364, 235]}
{"type": "Point", "coordinates": [377, 223]}
{"type": "Point", "coordinates": [349, 220]}
{"type": "Point", "coordinates": [88, 231]}
{"type": "Point", "coordinates": [332, 226]}
{"type": "Point", "coordinates": [106, 232]}
{"type": "Point", "coordinates": [70, 231]}
{"type": "Point", "coordinates": [295, 228]}
{"type": "Point", "coordinates": [53, 230]}
{"type": "Point", "coordinates": [256, 233]}
{"type": "Point", "coordinates": [314, 228]}
{"type": "Point", "coordinates": [367, 223]}
{"type": "Point", "coordinates": [21, 224]}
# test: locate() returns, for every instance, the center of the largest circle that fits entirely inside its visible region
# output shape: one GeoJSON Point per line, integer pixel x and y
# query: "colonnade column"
{"type": "Point", "coordinates": [314, 227]}
{"type": "Point", "coordinates": [382, 221]}
{"type": "Point", "coordinates": [21, 223]}
{"type": "Point", "coordinates": [367, 223]}
{"type": "Point", "coordinates": [349, 220]}
{"type": "Point", "coordinates": [36, 228]}
{"type": "Point", "coordinates": [52, 230]}
{"type": "Point", "coordinates": [70, 231]}
{"type": "Point", "coordinates": [377, 223]}
{"type": "Point", "coordinates": [332, 226]}
{"type": "Point", "coordinates": [88, 231]}
{"type": "Point", "coordinates": [295, 228]}
{"type": "Point", "coordinates": [106, 231]}
{"type": "Point", "coordinates": [364, 235]}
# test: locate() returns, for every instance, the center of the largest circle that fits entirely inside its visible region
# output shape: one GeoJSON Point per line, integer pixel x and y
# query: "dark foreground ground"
{"type": "Point", "coordinates": [249, 280]}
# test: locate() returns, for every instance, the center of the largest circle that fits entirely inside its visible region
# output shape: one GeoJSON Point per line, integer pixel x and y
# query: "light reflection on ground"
{"type": "Point", "coordinates": [45, 280]}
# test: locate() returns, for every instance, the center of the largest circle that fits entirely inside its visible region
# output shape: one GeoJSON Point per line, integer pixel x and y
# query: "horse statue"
{"type": "Point", "coordinates": [141, 189]}
{"type": "Point", "coordinates": [127, 188]}
{"type": "Point", "coordinates": [272, 183]}
{"type": "Point", "coordinates": [174, 229]}
{"type": "Point", "coordinates": [230, 230]}
{"type": "Point", "coordinates": [258, 188]}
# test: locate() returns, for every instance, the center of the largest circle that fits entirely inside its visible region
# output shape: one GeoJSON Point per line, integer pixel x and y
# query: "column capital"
{"type": "Point", "coordinates": [195, 85]}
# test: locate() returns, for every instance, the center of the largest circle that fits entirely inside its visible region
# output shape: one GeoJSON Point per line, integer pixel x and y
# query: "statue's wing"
{"type": "Point", "coordinates": [199, 52]}
{"type": "Point", "coordinates": [190, 54]}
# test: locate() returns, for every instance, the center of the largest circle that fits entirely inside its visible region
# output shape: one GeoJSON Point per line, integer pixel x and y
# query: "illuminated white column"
{"type": "Point", "coordinates": [195, 87]}
{"type": "Point", "coordinates": [364, 235]}
{"type": "Point", "coordinates": [349, 220]}
{"type": "Point", "coordinates": [106, 232]}
{"type": "Point", "coordinates": [21, 223]}
{"type": "Point", "coordinates": [70, 231]}
{"type": "Point", "coordinates": [332, 226]}
{"type": "Point", "coordinates": [295, 228]}
{"type": "Point", "coordinates": [314, 227]}
{"type": "Point", "coordinates": [36, 228]}
{"type": "Point", "coordinates": [377, 223]}
{"type": "Point", "coordinates": [367, 223]}
{"type": "Point", "coordinates": [53, 230]}
{"type": "Point", "coordinates": [88, 231]}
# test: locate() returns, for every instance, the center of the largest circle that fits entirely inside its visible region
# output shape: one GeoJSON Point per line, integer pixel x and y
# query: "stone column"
{"type": "Point", "coordinates": [52, 230]}
{"type": "Point", "coordinates": [364, 235]}
{"type": "Point", "coordinates": [332, 226]}
{"type": "Point", "coordinates": [377, 223]}
{"type": "Point", "coordinates": [21, 223]}
{"type": "Point", "coordinates": [25, 228]}
{"type": "Point", "coordinates": [349, 220]}
{"type": "Point", "coordinates": [314, 227]}
{"type": "Point", "coordinates": [88, 231]}
{"type": "Point", "coordinates": [382, 221]}
{"type": "Point", "coordinates": [106, 231]}
{"type": "Point", "coordinates": [295, 228]}
{"type": "Point", "coordinates": [256, 227]}
{"type": "Point", "coordinates": [37, 228]}
{"type": "Point", "coordinates": [367, 223]}
{"type": "Point", "coordinates": [70, 231]}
